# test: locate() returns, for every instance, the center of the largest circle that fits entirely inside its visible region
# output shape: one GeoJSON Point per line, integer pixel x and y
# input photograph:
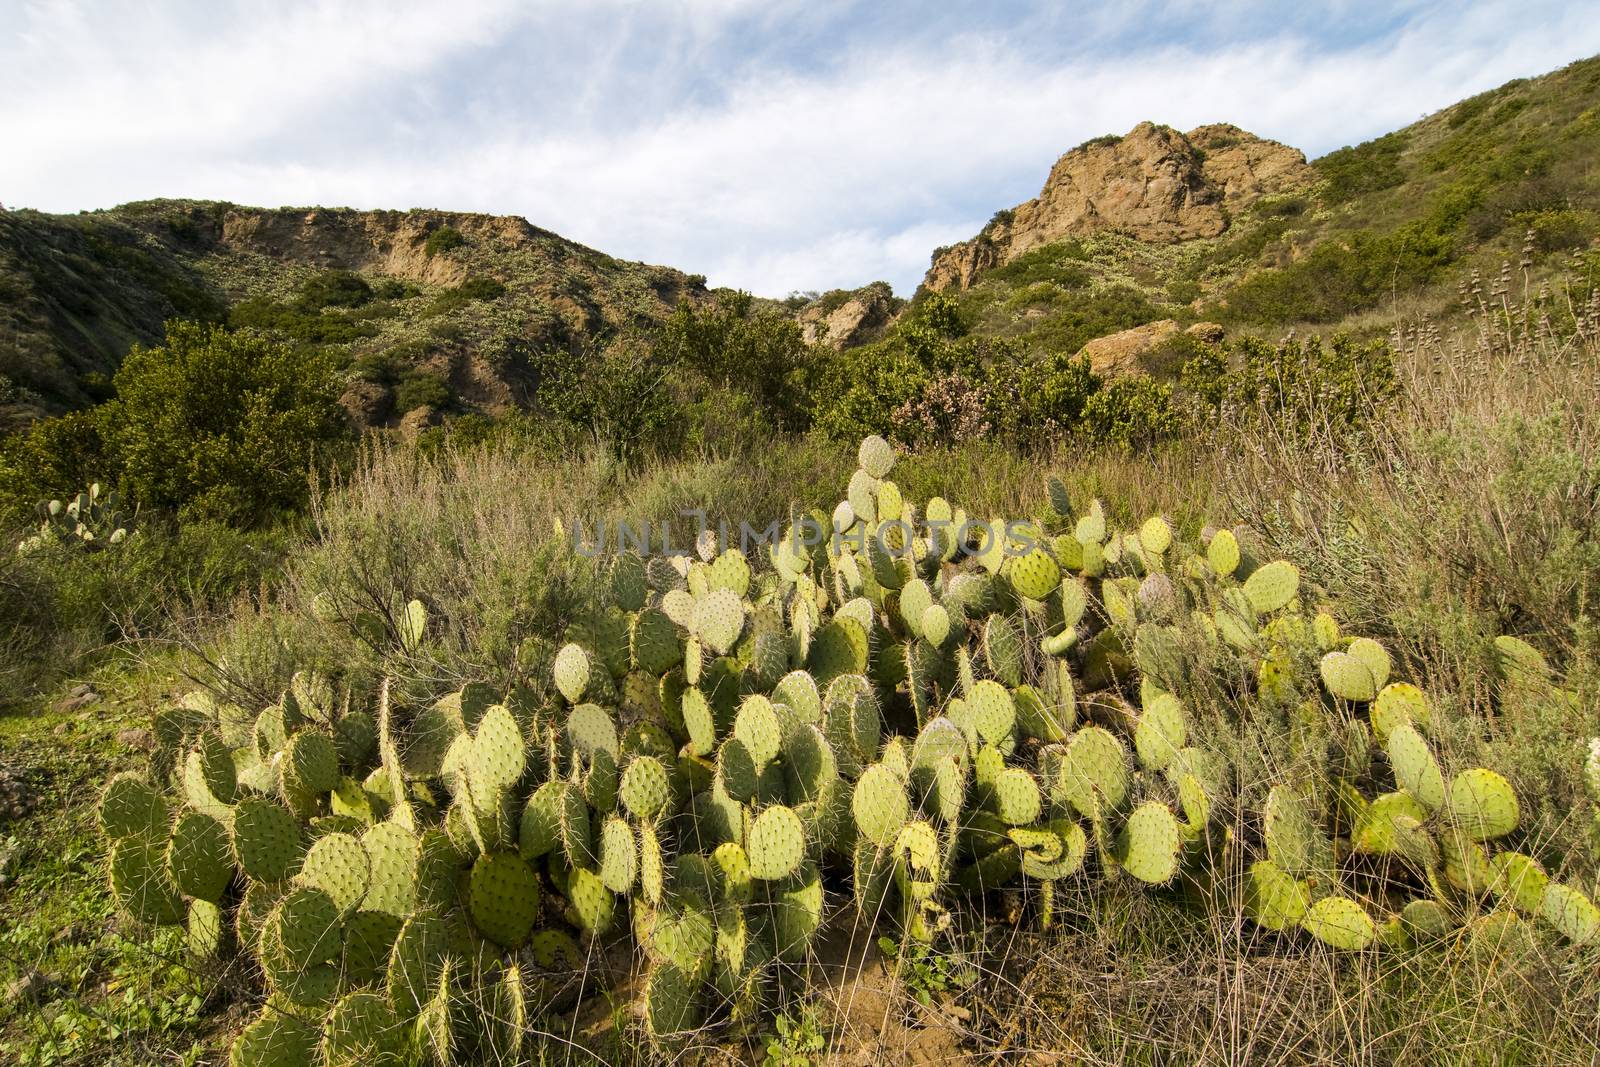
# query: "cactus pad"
{"type": "Point", "coordinates": [503, 898]}
{"type": "Point", "coordinates": [131, 808]}
{"type": "Point", "coordinates": [275, 1039]}
{"type": "Point", "coordinates": [1348, 677]}
{"type": "Point", "coordinates": [1150, 843]}
{"type": "Point", "coordinates": [1272, 587]}
{"type": "Point", "coordinates": [1340, 923]}
{"type": "Point", "coordinates": [338, 865]}
{"type": "Point", "coordinates": [880, 805]}
{"type": "Point", "coordinates": [1483, 804]}
{"type": "Point", "coordinates": [571, 672]}
{"type": "Point", "coordinates": [1415, 769]}
{"type": "Point", "coordinates": [775, 843]}
{"type": "Point", "coordinates": [266, 839]}
{"type": "Point", "coordinates": [876, 456]}
{"type": "Point", "coordinates": [1034, 574]}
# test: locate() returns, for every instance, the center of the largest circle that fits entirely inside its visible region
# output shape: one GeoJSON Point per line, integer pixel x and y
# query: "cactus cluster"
{"type": "Point", "coordinates": [917, 709]}
{"type": "Point", "coordinates": [94, 519]}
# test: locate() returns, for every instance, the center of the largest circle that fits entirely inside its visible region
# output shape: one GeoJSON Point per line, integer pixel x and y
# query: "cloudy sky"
{"type": "Point", "coordinates": [769, 144]}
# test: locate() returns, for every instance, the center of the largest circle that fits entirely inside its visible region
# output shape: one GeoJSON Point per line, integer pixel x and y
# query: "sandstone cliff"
{"type": "Point", "coordinates": [1154, 184]}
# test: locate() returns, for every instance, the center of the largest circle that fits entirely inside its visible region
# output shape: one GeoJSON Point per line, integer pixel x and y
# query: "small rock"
{"type": "Point", "coordinates": [81, 690]}
{"type": "Point", "coordinates": [136, 737]}
{"type": "Point", "coordinates": [1209, 332]}
{"type": "Point", "coordinates": [76, 699]}
{"type": "Point", "coordinates": [62, 729]}
{"type": "Point", "coordinates": [27, 987]}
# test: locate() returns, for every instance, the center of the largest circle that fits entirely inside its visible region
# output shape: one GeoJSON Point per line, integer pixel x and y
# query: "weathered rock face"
{"type": "Point", "coordinates": [1155, 184]}
{"type": "Point", "coordinates": [861, 318]}
{"type": "Point", "coordinates": [1122, 353]}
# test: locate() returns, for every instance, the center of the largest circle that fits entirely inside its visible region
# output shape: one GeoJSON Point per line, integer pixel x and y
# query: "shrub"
{"type": "Point", "coordinates": [421, 388]}
{"type": "Point", "coordinates": [333, 288]}
{"type": "Point", "coordinates": [53, 457]}
{"type": "Point", "coordinates": [1133, 412]}
{"type": "Point", "coordinates": [1365, 168]}
{"type": "Point", "coordinates": [735, 344]}
{"type": "Point", "coordinates": [442, 240]}
{"type": "Point", "coordinates": [222, 425]}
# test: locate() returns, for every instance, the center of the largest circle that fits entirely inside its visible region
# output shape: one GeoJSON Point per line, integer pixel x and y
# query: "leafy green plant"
{"type": "Point", "coordinates": [442, 240]}
{"type": "Point", "coordinates": [220, 424]}
{"type": "Point", "coordinates": [924, 971]}
{"type": "Point", "coordinates": [797, 1039]}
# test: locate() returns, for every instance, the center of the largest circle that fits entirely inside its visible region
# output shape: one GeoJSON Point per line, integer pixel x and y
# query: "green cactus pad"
{"type": "Point", "coordinates": [1426, 921]}
{"type": "Point", "coordinates": [1571, 913]}
{"type": "Point", "coordinates": [719, 620]}
{"type": "Point", "coordinates": [1482, 804]}
{"type": "Point", "coordinates": [619, 857]}
{"type": "Point", "coordinates": [1035, 574]}
{"type": "Point", "coordinates": [590, 728]}
{"type": "Point", "coordinates": [593, 905]}
{"type": "Point", "coordinates": [571, 672]}
{"type": "Point", "coordinates": [1415, 769]}
{"type": "Point", "coordinates": [266, 839]}
{"type": "Point", "coordinates": [876, 456]}
{"type": "Point", "coordinates": [368, 940]}
{"type": "Point", "coordinates": [200, 856]}
{"type": "Point", "coordinates": [1094, 772]}
{"type": "Point", "coordinates": [775, 843]}
{"type": "Point", "coordinates": [1340, 923]}
{"type": "Point", "coordinates": [645, 787]}
{"type": "Point", "coordinates": [1521, 879]}
{"type": "Point", "coordinates": [655, 644]}
{"type": "Point", "coordinates": [756, 724]}
{"type": "Point", "coordinates": [1296, 842]}
{"type": "Point", "coordinates": [131, 808]}
{"type": "Point", "coordinates": [338, 865]}
{"type": "Point", "coordinates": [798, 690]}
{"type": "Point", "coordinates": [142, 885]}
{"type": "Point", "coordinates": [1223, 553]}
{"type": "Point", "coordinates": [307, 925]}
{"type": "Point", "coordinates": [672, 1001]}
{"type": "Point", "coordinates": [1374, 657]}
{"type": "Point", "coordinates": [1002, 649]}
{"type": "Point", "coordinates": [915, 599]}
{"type": "Point", "coordinates": [503, 898]}
{"type": "Point", "coordinates": [1150, 843]}
{"type": "Point", "coordinates": [652, 865]}
{"type": "Point", "coordinates": [838, 648]}
{"type": "Point", "coordinates": [275, 1039]}
{"type": "Point", "coordinates": [880, 805]}
{"type": "Point", "coordinates": [1016, 797]}
{"type": "Point", "coordinates": [1273, 898]}
{"type": "Point", "coordinates": [362, 1031]}
{"type": "Point", "coordinates": [1348, 677]}
{"type": "Point", "coordinates": [392, 860]}
{"type": "Point", "coordinates": [1161, 732]}
{"type": "Point", "coordinates": [993, 711]}
{"type": "Point", "coordinates": [1399, 703]}
{"type": "Point", "coordinates": [1375, 829]}
{"type": "Point", "coordinates": [629, 585]}
{"type": "Point", "coordinates": [1272, 587]}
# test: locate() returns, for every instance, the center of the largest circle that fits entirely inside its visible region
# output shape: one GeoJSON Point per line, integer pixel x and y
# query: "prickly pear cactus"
{"type": "Point", "coordinates": [912, 710]}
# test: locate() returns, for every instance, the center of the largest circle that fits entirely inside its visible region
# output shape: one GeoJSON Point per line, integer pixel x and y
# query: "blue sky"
{"type": "Point", "coordinates": [769, 144]}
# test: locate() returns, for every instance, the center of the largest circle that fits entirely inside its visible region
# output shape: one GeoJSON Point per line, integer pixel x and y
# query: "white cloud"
{"type": "Point", "coordinates": [849, 166]}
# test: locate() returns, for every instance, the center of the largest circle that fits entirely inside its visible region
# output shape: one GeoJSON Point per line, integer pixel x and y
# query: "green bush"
{"type": "Point", "coordinates": [222, 425]}
{"type": "Point", "coordinates": [51, 458]}
{"type": "Point", "coordinates": [421, 388]}
{"type": "Point", "coordinates": [735, 343]}
{"type": "Point", "coordinates": [442, 240]}
{"type": "Point", "coordinates": [477, 288]}
{"type": "Point", "coordinates": [333, 288]}
{"type": "Point", "coordinates": [1365, 168]}
{"type": "Point", "coordinates": [1134, 412]}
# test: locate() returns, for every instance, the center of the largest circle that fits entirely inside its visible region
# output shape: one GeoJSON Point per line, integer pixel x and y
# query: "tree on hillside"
{"type": "Point", "coordinates": [222, 425]}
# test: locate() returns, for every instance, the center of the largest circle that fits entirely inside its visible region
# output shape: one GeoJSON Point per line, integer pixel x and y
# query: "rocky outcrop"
{"type": "Point", "coordinates": [1155, 184]}
{"type": "Point", "coordinates": [844, 320]}
{"type": "Point", "coordinates": [1122, 353]}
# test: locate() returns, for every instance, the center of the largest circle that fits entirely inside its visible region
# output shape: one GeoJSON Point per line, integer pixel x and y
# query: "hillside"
{"type": "Point", "coordinates": [447, 297]}
{"type": "Point", "coordinates": [1217, 224]}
